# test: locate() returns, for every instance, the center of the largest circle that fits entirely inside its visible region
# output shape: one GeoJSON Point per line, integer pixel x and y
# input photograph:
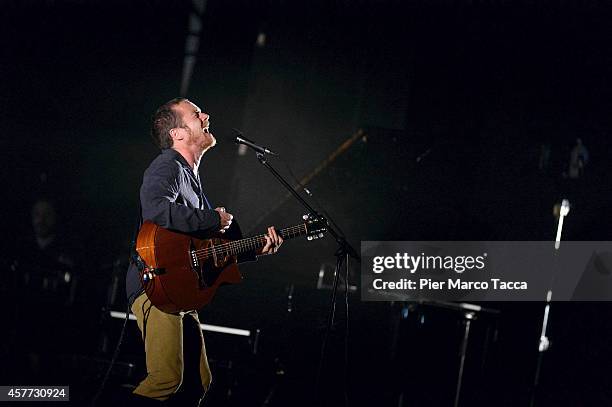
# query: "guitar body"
{"type": "Point", "coordinates": [180, 272]}
{"type": "Point", "coordinates": [174, 279]}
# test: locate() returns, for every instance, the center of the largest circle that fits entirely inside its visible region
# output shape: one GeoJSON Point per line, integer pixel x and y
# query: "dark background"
{"type": "Point", "coordinates": [456, 100]}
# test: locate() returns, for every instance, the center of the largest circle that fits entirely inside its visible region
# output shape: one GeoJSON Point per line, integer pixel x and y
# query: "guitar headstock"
{"type": "Point", "coordinates": [316, 226]}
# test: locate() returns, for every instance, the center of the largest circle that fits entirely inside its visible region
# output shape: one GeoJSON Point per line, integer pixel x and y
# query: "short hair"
{"type": "Point", "coordinates": [165, 119]}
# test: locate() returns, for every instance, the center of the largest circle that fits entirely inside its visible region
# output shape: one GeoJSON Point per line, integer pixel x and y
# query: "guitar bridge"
{"type": "Point", "coordinates": [195, 266]}
{"type": "Point", "coordinates": [194, 259]}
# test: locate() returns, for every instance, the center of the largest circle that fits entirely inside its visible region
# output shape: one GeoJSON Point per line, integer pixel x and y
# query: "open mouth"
{"type": "Point", "coordinates": [206, 129]}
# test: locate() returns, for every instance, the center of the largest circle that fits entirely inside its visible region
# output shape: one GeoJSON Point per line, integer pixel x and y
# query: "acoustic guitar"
{"type": "Point", "coordinates": [182, 273]}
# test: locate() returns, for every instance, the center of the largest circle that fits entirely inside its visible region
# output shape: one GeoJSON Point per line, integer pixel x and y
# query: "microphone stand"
{"type": "Point", "coordinates": [343, 253]}
{"type": "Point", "coordinates": [544, 342]}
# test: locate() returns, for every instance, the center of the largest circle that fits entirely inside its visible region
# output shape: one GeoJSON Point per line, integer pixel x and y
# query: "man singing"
{"type": "Point", "coordinates": [171, 196]}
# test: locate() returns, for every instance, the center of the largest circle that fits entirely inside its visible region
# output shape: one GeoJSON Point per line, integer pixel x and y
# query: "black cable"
{"type": "Point", "coordinates": [145, 318]}
{"type": "Point", "coordinates": [114, 358]}
{"type": "Point", "coordinates": [135, 258]}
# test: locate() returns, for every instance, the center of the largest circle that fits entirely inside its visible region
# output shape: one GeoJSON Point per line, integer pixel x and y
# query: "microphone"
{"type": "Point", "coordinates": [240, 139]}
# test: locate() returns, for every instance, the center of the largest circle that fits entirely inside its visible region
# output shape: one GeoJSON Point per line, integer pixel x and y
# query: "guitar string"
{"type": "Point", "coordinates": [248, 243]}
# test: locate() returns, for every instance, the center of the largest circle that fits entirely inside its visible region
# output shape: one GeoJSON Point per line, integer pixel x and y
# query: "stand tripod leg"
{"type": "Point", "coordinates": [330, 323]}
{"type": "Point", "coordinates": [464, 344]}
{"type": "Point", "coordinates": [542, 347]}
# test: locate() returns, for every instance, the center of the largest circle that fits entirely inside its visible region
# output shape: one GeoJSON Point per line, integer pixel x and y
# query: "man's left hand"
{"type": "Point", "coordinates": [273, 242]}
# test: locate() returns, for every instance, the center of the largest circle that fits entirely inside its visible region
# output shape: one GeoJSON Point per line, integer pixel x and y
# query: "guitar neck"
{"type": "Point", "coordinates": [259, 241]}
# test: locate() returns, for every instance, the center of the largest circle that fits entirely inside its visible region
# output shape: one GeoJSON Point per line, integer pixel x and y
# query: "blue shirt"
{"type": "Point", "coordinates": [171, 196]}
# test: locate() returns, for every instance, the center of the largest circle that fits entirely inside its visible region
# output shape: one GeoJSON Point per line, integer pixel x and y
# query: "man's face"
{"type": "Point", "coordinates": [195, 130]}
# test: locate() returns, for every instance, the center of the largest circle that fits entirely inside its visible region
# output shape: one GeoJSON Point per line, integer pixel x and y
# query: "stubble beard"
{"type": "Point", "coordinates": [210, 142]}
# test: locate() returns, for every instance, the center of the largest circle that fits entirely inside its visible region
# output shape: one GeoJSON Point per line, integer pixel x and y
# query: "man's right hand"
{"type": "Point", "coordinates": [226, 219]}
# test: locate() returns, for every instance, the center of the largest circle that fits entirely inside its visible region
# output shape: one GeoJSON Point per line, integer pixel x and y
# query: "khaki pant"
{"type": "Point", "coordinates": [170, 364]}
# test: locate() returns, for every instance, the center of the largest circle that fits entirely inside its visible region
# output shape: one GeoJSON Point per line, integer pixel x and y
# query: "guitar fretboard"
{"type": "Point", "coordinates": [250, 243]}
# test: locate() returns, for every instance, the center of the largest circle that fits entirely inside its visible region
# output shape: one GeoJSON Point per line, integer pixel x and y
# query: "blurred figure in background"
{"type": "Point", "coordinates": [41, 284]}
{"type": "Point", "coordinates": [579, 157]}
